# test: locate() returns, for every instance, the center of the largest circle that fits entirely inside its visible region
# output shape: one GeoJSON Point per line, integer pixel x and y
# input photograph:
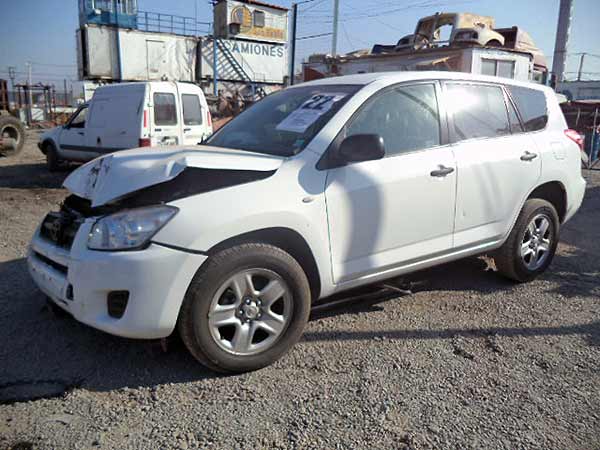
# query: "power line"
{"type": "Point", "coordinates": [313, 36]}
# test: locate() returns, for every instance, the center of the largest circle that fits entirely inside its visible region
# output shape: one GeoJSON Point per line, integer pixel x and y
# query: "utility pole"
{"type": "Point", "coordinates": [562, 39]}
{"type": "Point", "coordinates": [29, 95]}
{"type": "Point", "coordinates": [215, 62]}
{"type": "Point", "coordinates": [12, 74]}
{"type": "Point", "coordinates": [336, 13]}
{"type": "Point", "coordinates": [293, 43]}
{"type": "Point", "coordinates": [65, 87]}
{"type": "Point", "coordinates": [118, 40]}
{"type": "Point", "coordinates": [579, 72]}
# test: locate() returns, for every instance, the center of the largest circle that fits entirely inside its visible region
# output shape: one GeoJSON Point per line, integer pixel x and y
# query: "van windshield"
{"type": "Point", "coordinates": [285, 122]}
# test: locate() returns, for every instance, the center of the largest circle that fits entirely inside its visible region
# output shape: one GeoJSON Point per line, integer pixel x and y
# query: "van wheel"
{"type": "Point", "coordinates": [531, 245]}
{"type": "Point", "coordinates": [245, 308]}
{"type": "Point", "coordinates": [52, 159]}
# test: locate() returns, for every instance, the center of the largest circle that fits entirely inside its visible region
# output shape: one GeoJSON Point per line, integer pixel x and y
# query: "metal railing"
{"type": "Point", "coordinates": [169, 23]}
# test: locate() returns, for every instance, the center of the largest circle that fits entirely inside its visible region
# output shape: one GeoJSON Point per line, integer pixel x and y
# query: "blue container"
{"type": "Point", "coordinates": [108, 12]}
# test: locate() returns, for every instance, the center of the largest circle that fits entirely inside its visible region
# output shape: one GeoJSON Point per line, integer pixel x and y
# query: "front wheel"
{"type": "Point", "coordinates": [531, 245]}
{"type": "Point", "coordinates": [246, 307]}
{"type": "Point", "coordinates": [52, 160]}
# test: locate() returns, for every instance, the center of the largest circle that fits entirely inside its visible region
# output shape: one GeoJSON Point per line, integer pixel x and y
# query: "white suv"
{"type": "Point", "coordinates": [316, 189]}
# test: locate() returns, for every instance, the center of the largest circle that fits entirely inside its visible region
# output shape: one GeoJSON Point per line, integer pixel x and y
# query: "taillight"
{"type": "Point", "coordinates": [575, 137]}
{"type": "Point", "coordinates": [145, 118]}
{"type": "Point", "coordinates": [209, 119]}
{"type": "Point", "coordinates": [145, 142]}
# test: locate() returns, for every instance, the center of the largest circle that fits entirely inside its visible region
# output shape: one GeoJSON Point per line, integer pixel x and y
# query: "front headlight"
{"type": "Point", "coordinates": [129, 229]}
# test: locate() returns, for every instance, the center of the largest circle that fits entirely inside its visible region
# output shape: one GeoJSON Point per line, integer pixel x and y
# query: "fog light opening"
{"type": "Point", "coordinates": [116, 302]}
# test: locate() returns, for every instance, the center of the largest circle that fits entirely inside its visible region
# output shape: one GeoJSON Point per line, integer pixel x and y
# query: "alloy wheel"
{"type": "Point", "coordinates": [250, 311]}
{"type": "Point", "coordinates": [537, 242]}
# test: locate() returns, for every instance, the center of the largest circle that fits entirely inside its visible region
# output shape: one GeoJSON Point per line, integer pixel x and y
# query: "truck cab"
{"type": "Point", "coordinates": [129, 115]}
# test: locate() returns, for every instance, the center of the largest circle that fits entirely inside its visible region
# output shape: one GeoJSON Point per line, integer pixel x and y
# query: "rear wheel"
{"type": "Point", "coordinates": [12, 130]}
{"type": "Point", "coordinates": [531, 245]}
{"type": "Point", "coordinates": [246, 307]}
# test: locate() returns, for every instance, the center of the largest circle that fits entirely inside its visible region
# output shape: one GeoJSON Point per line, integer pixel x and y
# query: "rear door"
{"type": "Point", "coordinates": [166, 120]}
{"type": "Point", "coordinates": [193, 114]}
{"type": "Point", "coordinates": [497, 164]}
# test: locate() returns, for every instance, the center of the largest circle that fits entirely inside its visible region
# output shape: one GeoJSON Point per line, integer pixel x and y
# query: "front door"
{"type": "Point", "coordinates": [72, 136]}
{"type": "Point", "coordinates": [498, 164]}
{"type": "Point", "coordinates": [391, 212]}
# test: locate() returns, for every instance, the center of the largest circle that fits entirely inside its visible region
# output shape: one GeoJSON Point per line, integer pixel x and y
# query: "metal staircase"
{"type": "Point", "coordinates": [235, 65]}
{"type": "Point", "coordinates": [258, 91]}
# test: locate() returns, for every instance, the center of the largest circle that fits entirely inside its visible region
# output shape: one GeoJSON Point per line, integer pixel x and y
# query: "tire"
{"type": "Point", "coordinates": [522, 257]}
{"type": "Point", "coordinates": [217, 289]}
{"type": "Point", "coordinates": [11, 127]}
{"type": "Point", "coordinates": [52, 160]}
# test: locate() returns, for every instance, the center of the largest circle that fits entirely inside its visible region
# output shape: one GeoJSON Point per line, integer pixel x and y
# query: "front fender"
{"type": "Point", "coordinates": [284, 200]}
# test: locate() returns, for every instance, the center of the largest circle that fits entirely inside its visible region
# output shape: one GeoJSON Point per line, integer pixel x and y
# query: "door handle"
{"type": "Point", "coordinates": [187, 129]}
{"type": "Point", "coordinates": [442, 171]}
{"type": "Point", "coordinates": [528, 156]}
{"type": "Point", "coordinates": [80, 133]}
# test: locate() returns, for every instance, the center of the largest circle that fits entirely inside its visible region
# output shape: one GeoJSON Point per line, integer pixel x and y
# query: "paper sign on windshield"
{"type": "Point", "coordinates": [308, 113]}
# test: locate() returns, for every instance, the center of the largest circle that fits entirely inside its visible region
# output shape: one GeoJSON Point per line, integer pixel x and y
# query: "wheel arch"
{"type": "Point", "coordinates": [555, 193]}
{"type": "Point", "coordinates": [286, 239]}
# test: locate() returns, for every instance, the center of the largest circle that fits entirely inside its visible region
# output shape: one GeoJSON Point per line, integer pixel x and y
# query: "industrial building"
{"type": "Point", "coordinates": [116, 42]}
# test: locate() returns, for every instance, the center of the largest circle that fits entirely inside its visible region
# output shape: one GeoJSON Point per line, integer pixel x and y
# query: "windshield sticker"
{"type": "Point", "coordinates": [308, 113]}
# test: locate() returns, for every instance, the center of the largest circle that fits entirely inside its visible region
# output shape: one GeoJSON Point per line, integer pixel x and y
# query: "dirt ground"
{"type": "Point", "coordinates": [469, 360]}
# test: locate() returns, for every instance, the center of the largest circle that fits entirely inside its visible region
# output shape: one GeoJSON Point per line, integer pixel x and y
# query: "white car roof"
{"type": "Point", "coordinates": [402, 76]}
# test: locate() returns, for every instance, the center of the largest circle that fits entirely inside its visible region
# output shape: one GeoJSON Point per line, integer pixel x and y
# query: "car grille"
{"type": "Point", "coordinates": [61, 227]}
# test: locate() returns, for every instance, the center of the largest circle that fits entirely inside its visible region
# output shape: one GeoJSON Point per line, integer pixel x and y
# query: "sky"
{"type": "Point", "coordinates": [43, 32]}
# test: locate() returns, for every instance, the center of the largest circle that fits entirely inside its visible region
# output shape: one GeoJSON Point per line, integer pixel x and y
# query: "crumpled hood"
{"type": "Point", "coordinates": [113, 176]}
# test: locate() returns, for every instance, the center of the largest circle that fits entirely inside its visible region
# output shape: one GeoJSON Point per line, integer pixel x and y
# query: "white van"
{"type": "Point", "coordinates": [129, 115]}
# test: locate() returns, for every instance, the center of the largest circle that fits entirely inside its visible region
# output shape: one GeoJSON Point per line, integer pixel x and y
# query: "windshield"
{"type": "Point", "coordinates": [285, 122]}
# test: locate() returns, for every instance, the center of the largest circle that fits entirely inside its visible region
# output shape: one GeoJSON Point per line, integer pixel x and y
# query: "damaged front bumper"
{"type": "Point", "coordinates": [84, 282]}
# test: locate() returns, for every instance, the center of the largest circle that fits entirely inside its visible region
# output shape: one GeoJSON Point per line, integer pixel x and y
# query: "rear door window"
{"type": "Point", "coordinates": [478, 111]}
{"type": "Point", "coordinates": [165, 109]}
{"type": "Point", "coordinates": [531, 103]}
{"type": "Point", "coordinates": [192, 111]}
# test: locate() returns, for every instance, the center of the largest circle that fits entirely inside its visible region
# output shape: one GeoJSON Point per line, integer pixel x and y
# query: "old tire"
{"type": "Point", "coordinates": [12, 128]}
{"type": "Point", "coordinates": [532, 243]}
{"type": "Point", "coordinates": [52, 160]}
{"type": "Point", "coordinates": [231, 324]}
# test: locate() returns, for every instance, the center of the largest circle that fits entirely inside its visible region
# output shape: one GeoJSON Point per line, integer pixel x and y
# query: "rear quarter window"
{"type": "Point", "coordinates": [532, 106]}
{"type": "Point", "coordinates": [165, 110]}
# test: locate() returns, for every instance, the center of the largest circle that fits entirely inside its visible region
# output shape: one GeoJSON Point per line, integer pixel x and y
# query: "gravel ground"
{"type": "Point", "coordinates": [469, 360]}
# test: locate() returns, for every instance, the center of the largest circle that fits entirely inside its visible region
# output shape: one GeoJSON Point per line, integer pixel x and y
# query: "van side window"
{"type": "Point", "coordinates": [531, 103]}
{"type": "Point", "coordinates": [406, 117]}
{"type": "Point", "coordinates": [78, 120]}
{"type": "Point", "coordinates": [165, 111]}
{"type": "Point", "coordinates": [192, 111]}
{"type": "Point", "coordinates": [478, 111]}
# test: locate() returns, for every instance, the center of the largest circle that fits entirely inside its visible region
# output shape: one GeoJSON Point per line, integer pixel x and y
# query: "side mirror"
{"type": "Point", "coordinates": [361, 147]}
